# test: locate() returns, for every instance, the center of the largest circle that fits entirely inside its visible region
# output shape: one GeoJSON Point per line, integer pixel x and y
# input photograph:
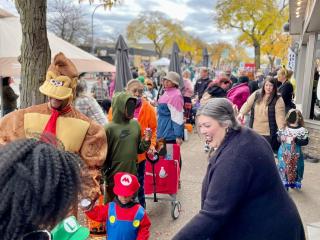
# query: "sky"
{"type": "Point", "coordinates": [196, 16]}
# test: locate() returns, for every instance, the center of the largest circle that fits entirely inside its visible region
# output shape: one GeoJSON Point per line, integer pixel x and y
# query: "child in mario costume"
{"type": "Point", "coordinates": [126, 219]}
{"type": "Point", "coordinates": [58, 118]}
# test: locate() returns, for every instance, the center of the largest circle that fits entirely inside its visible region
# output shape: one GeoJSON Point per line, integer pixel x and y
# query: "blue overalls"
{"type": "Point", "coordinates": [122, 229]}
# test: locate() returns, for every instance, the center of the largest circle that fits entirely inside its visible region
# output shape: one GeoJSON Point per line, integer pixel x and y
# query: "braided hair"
{"type": "Point", "coordinates": [38, 183]}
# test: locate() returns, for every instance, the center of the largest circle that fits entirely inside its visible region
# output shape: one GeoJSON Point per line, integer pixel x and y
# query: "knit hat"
{"type": "Point", "coordinates": [70, 229]}
{"type": "Point", "coordinates": [173, 77]}
{"type": "Point", "coordinates": [125, 184]}
{"type": "Point", "coordinates": [61, 79]}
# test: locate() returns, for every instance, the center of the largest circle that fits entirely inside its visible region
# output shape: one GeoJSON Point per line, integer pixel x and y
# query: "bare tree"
{"type": "Point", "coordinates": [67, 21]}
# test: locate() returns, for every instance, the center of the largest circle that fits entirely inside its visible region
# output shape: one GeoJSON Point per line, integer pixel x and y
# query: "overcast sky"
{"type": "Point", "coordinates": [196, 17]}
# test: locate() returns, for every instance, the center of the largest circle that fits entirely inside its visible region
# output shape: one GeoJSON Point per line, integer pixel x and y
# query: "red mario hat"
{"type": "Point", "coordinates": [125, 184]}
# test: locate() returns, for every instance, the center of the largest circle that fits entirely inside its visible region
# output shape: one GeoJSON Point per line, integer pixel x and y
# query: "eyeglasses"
{"type": "Point", "coordinates": [136, 90]}
{"type": "Point", "coordinates": [38, 235]}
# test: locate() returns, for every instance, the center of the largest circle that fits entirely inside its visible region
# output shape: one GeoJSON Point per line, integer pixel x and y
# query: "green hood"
{"type": "Point", "coordinates": [119, 101]}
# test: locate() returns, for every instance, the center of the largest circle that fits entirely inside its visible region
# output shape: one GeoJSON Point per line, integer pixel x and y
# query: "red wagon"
{"type": "Point", "coordinates": [162, 176]}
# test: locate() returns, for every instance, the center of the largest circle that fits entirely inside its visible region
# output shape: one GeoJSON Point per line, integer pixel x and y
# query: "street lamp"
{"type": "Point", "coordinates": [92, 40]}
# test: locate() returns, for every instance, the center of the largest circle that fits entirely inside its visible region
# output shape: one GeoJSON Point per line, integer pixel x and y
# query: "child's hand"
{"type": "Point", "coordinates": [151, 150]}
{"type": "Point", "coordinates": [147, 134]}
{"type": "Point", "coordinates": [86, 204]}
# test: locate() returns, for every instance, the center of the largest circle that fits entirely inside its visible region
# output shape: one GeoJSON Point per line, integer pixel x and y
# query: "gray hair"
{"type": "Point", "coordinates": [221, 110]}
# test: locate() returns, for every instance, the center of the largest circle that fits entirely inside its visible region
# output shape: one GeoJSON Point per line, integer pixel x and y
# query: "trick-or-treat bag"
{"type": "Point", "coordinates": [97, 228]}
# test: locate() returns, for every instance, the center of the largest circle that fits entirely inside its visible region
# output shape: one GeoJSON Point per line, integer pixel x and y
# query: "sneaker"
{"type": "Point", "coordinates": [298, 185]}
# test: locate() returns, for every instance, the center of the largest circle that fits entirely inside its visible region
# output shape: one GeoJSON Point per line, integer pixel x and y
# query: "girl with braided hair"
{"type": "Point", "coordinates": [39, 183]}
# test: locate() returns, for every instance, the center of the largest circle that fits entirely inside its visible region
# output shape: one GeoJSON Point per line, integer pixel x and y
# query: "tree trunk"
{"type": "Point", "coordinates": [271, 61]}
{"type": "Point", "coordinates": [257, 54]}
{"type": "Point", "coordinates": [35, 52]}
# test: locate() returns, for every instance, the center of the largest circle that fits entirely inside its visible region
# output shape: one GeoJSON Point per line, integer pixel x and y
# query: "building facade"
{"type": "Point", "coordinates": [304, 24]}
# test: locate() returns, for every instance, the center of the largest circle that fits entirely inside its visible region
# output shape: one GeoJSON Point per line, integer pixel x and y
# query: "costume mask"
{"type": "Point", "coordinates": [130, 107]}
{"type": "Point", "coordinates": [61, 79]}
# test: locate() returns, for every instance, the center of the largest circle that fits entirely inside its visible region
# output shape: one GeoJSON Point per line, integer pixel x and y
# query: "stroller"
{"type": "Point", "coordinates": [162, 176]}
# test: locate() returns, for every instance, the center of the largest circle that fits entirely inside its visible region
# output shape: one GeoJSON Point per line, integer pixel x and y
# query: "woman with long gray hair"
{"type": "Point", "coordinates": [242, 194]}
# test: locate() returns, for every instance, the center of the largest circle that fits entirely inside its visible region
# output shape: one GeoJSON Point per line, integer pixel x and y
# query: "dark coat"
{"type": "Point", "coordinates": [216, 91]}
{"type": "Point", "coordinates": [286, 91]}
{"type": "Point", "coordinates": [242, 195]}
{"type": "Point", "coordinates": [200, 86]}
{"type": "Point", "coordinates": [9, 99]}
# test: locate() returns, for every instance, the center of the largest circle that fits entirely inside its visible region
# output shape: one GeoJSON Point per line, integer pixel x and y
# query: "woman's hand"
{"type": "Point", "coordinates": [179, 141]}
{"type": "Point", "coordinates": [241, 118]}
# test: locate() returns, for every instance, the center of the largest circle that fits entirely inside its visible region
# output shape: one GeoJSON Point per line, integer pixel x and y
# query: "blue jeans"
{"type": "Point", "coordinates": [141, 170]}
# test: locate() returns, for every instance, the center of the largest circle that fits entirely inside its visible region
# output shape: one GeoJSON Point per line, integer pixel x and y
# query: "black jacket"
{"type": "Point", "coordinates": [9, 99]}
{"type": "Point", "coordinates": [242, 195]}
{"type": "Point", "coordinates": [286, 91]}
{"type": "Point", "coordinates": [200, 86]}
{"type": "Point", "coordinates": [216, 91]}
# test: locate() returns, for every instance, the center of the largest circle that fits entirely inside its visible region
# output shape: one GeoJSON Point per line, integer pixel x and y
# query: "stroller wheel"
{"type": "Point", "coordinates": [175, 209]}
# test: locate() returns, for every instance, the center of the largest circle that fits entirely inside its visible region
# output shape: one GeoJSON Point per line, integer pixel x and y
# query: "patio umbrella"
{"type": "Point", "coordinates": [175, 63]}
{"type": "Point", "coordinates": [123, 73]}
{"type": "Point", "coordinates": [205, 57]}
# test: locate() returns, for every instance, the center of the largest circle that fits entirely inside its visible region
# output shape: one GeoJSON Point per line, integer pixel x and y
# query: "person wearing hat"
{"type": "Point", "coordinates": [70, 229]}
{"type": "Point", "coordinates": [125, 218]}
{"type": "Point", "coordinates": [60, 119]}
{"type": "Point", "coordinates": [39, 183]}
{"type": "Point", "coordinates": [170, 111]}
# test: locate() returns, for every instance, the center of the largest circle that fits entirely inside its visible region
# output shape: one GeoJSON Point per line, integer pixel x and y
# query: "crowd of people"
{"type": "Point", "coordinates": [98, 138]}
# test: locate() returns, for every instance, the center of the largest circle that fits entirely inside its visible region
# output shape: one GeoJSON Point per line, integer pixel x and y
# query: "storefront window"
{"type": "Point", "coordinates": [315, 96]}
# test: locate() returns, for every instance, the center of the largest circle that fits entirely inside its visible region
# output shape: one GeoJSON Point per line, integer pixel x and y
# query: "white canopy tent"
{"type": "Point", "coordinates": [10, 43]}
{"type": "Point", "coordinates": [162, 62]}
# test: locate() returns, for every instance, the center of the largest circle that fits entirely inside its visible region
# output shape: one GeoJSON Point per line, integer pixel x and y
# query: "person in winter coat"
{"type": "Point", "coordinates": [170, 111]}
{"type": "Point", "coordinates": [125, 218]}
{"type": "Point", "coordinates": [202, 83]}
{"type": "Point", "coordinates": [286, 89]}
{"type": "Point", "coordinates": [240, 92]}
{"type": "Point", "coordinates": [9, 96]}
{"type": "Point", "coordinates": [216, 89]}
{"type": "Point", "coordinates": [125, 140]}
{"type": "Point", "coordinates": [267, 114]}
{"type": "Point", "coordinates": [187, 93]}
{"type": "Point", "coordinates": [242, 195]}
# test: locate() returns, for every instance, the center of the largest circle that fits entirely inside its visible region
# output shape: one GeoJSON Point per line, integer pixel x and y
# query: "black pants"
{"type": "Point", "coordinates": [141, 170]}
{"type": "Point", "coordinates": [272, 140]}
